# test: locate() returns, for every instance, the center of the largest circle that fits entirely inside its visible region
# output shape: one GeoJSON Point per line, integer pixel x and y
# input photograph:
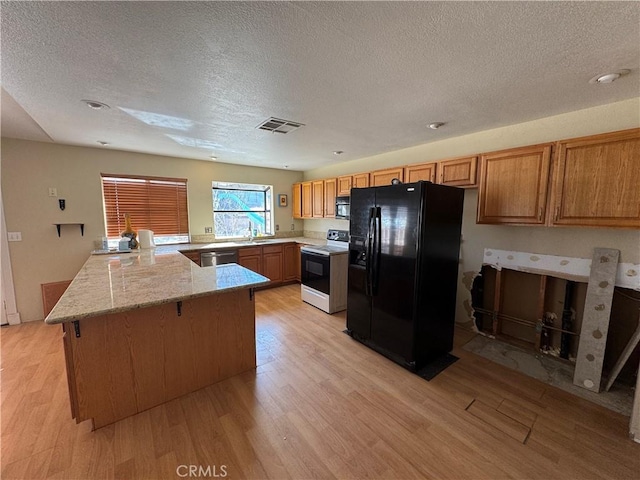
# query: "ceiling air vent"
{"type": "Point", "coordinates": [277, 125]}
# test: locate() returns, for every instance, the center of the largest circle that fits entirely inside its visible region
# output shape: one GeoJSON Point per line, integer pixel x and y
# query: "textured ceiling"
{"type": "Point", "coordinates": [194, 79]}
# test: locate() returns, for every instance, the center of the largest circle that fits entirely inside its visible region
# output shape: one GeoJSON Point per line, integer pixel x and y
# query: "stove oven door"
{"type": "Point", "coordinates": [315, 271]}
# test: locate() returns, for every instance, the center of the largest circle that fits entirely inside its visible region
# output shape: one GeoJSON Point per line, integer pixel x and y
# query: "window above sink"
{"type": "Point", "coordinates": [242, 210]}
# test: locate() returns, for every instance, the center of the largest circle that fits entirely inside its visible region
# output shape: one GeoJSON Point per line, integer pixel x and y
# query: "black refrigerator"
{"type": "Point", "coordinates": [403, 269]}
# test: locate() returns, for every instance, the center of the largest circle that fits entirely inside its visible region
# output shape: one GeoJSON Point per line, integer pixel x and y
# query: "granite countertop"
{"type": "Point", "coordinates": [119, 282]}
{"type": "Point", "coordinates": [258, 241]}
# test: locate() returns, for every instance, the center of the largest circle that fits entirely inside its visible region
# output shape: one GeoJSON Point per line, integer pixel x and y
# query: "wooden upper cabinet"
{"type": "Point", "coordinates": [361, 180]}
{"type": "Point", "coordinates": [317, 209]}
{"type": "Point", "coordinates": [513, 185]}
{"type": "Point", "coordinates": [344, 185]}
{"type": "Point", "coordinates": [458, 172]}
{"type": "Point", "coordinates": [296, 200]}
{"type": "Point", "coordinates": [306, 200]}
{"type": "Point", "coordinates": [330, 198]}
{"type": "Point", "coordinates": [384, 177]}
{"type": "Point", "coordinates": [597, 181]}
{"type": "Point", "coordinates": [423, 171]}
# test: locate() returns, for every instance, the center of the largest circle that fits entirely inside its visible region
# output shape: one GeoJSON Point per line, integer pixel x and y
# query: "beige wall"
{"type": "Point", "coordinates": [576, 242]}
{"type": "Point", "coordinates": [30, 168]}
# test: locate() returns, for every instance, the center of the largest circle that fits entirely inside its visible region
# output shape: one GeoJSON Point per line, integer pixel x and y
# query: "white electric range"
{"type": "Point", "coordinates": [324, 272]}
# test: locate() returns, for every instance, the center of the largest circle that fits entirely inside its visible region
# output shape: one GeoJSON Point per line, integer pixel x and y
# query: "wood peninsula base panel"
{"type": "Point", "coordinates": [128, 362]}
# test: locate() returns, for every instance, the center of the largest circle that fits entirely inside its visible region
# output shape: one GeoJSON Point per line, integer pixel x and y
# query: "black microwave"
{"type": "Point", "coordinates": [342, 207]}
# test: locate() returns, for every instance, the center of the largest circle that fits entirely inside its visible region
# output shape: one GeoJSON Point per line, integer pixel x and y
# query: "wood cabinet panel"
{"type": "Point", "coordinates": [159, 354]}
{"type": "Point", "coordinates": [307, 204]}
{"type": "Point", "coordinates": [291, 262]}
{"type": "Point", "coordinates": [252, 262]}
{"type": "Point", "coordinates": [299, 264]}
{"type": "Point", "coordinates": [384, 177]}
{"type": "Point", "coordinates": [67, 330]}
{"type": "Point", "coordinates": [330, 198]}
{"type": "Point", "coordinates": [597, 181]}
{"type": "Point", "coordinates": [513, 186]}
{"type": "Point", "coordinates": [423, 171]}
{"type": "Point", "coordinates": [361, 180]}
{"type": "Point", "coordinates": [194, 256]}
{"type": "Point", "coordinates": [458, 172]}
{"type": "Point", "coordinates": [272, 266]}
{"type": "Point", "coordinates": [317, 195]}
{"type": "Point", "coordinates": [296, 200]}
{"type": "Point", "coordinates": [51, 293]}
{"type": "Point", "coordinates": [251, 258]}
{"type": "Point", "coordinates": [344, 185]}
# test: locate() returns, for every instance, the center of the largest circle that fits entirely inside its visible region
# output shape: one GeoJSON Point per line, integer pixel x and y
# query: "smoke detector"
{"type": "Point", "coordinates": [277, 125]}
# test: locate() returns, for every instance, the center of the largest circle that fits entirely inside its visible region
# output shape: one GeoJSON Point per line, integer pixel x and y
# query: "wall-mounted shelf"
{"type": "Point", "coordinates": [81, 227]}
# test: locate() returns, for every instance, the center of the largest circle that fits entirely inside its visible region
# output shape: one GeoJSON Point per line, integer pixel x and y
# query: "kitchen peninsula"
{"type": "Point", "coordinates": [142, 328]}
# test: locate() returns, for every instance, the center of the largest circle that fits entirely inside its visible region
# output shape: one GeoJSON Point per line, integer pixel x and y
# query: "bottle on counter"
{"type": "Point", "coordinates": [129, 232]}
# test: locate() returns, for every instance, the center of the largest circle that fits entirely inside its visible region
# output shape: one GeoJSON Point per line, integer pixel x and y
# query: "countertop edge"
{"type": "Point", "coordinates": [164, 301]}
{"type": "Point", "coordinates": [144, 304]}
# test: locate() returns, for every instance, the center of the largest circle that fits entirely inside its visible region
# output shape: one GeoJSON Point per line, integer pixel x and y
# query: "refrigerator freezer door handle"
{"type": "Point", "coordinates": [377, 245]}
{"type": "Point", "coordinates": [368, 261]}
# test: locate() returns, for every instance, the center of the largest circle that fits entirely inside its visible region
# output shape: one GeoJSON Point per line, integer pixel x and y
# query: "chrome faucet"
{"type": "Point", "coordinates": [250, 232]}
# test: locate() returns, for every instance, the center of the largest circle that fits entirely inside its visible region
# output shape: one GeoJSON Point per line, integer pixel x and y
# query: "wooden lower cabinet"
{"type": "Point", "coordinates": [299, 262]}
{"type": "Point", "coordinates": [272, 263]}
{"type": "Point", "coordinates": [291, 262]}
{"type": "Point", "coordinates": [51, 293]}
{"type": "Point", "coordinates": [194, 255]}
{"type": "Point", "coordinates": [128, 362]}
{"type": "Point", "coordinates": [251, 258]}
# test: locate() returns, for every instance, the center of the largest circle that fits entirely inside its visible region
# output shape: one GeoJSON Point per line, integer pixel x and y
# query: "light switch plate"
{"type": "Point", "coordinates": [14, 236]}
{"type": "Point", "coordinates": [53, 192]}
{"type": "Point", "coordinates": [208, 230]}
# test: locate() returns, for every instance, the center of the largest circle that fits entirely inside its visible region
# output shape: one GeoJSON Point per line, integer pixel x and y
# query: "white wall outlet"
{"type": "Point", "coordinates": [53, 192]}
{"type": "Point", "coordinates": [14, 236]}
{"type": "Point", "coordinates": [293, 227]}
{"type": "Point", "coordinates": [277, 227]}
{"type": "Point", "coordinates": [208, 229]}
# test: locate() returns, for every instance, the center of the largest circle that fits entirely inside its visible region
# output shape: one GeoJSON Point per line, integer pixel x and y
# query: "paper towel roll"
{"type": "Point", "coordinates": [145, 238]}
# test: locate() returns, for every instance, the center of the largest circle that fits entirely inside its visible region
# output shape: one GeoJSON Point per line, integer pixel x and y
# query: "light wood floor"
{"type": "Point", "coordinates": [319, 405]}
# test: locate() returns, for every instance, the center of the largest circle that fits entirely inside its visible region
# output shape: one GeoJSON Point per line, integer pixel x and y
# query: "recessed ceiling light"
{"type": "Point", "coordinates": [96, 105]}
{"type": "Point", "coordinates": [104, 144]}
{"type": "Point", "coordinates": [609, 77]}
{"type": "Point", "coordinates": [213, 157]}
{"type": "Point", "coordinates": [436, 125]}
{"type": "Point", "coordinates": [338, 152]}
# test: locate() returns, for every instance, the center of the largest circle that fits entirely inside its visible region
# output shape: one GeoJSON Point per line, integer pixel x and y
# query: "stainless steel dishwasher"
{"type": "Point", "coordinates": [211, 259]}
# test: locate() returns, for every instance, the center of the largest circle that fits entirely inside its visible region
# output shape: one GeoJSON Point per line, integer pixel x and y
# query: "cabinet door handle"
{"type": "Point", "coordinates": [540, 214]}
{"type": "Point", "coordinates": [557, 213]}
